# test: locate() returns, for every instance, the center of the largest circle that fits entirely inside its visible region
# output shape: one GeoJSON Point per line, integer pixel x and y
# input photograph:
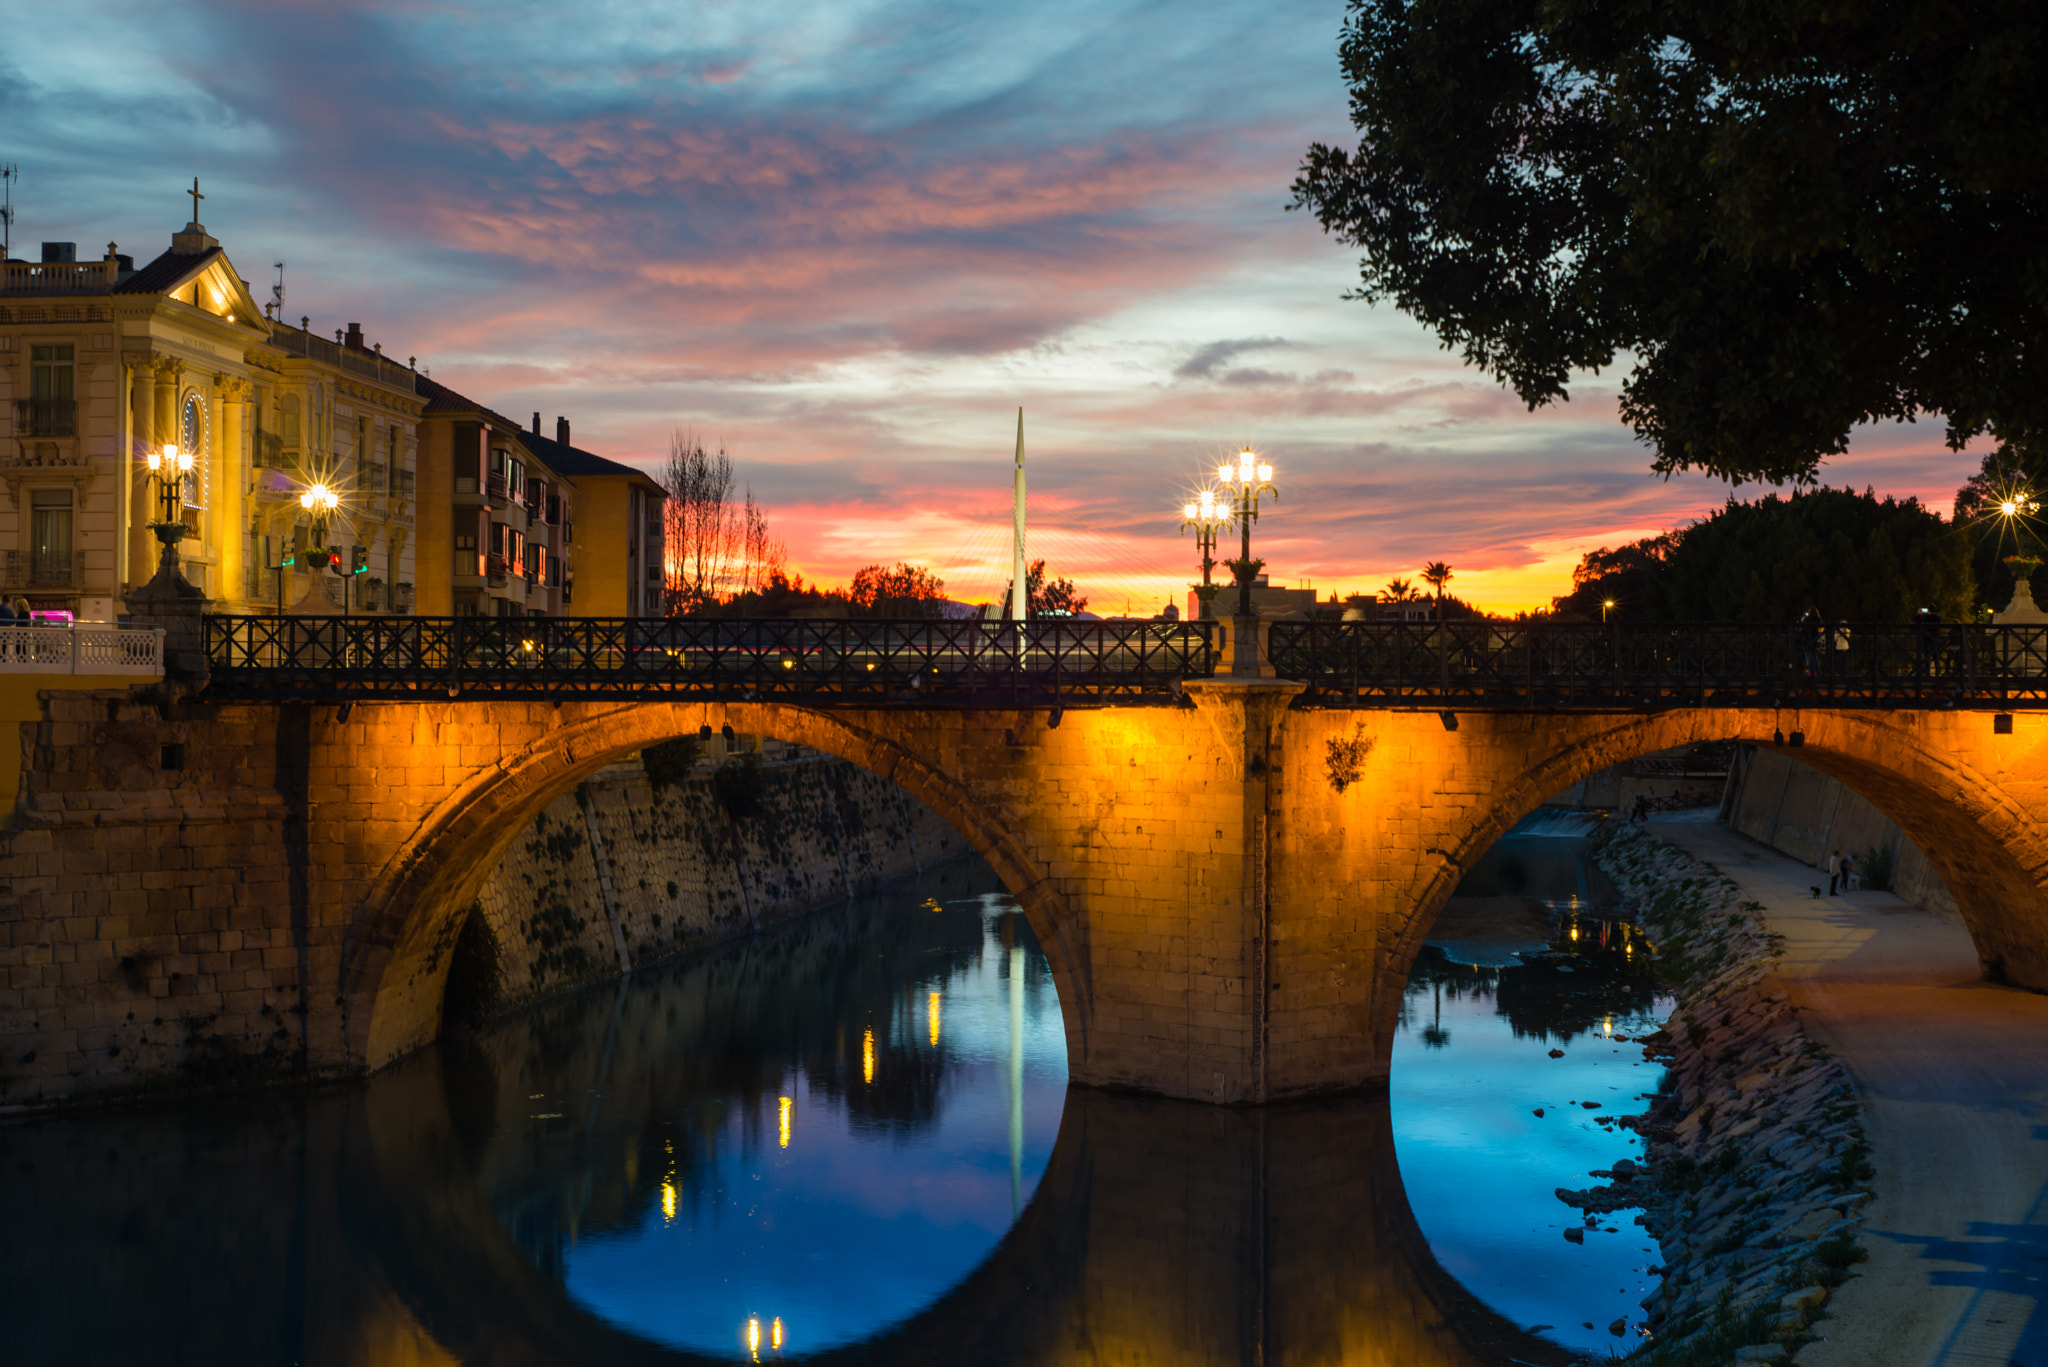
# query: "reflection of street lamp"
{"type": "Point", "coordinates": [1207, 518]}
{"type": "Point", "coordinates": [1252, 479]}
{"type": "Point", "coordinates": [167, 471]}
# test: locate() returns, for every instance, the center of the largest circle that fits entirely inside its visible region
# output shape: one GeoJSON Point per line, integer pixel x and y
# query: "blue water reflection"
{"type": "Point", "coordinates": [1523, 964]}
{"type": "Point", "coordinates": [888, 1153]}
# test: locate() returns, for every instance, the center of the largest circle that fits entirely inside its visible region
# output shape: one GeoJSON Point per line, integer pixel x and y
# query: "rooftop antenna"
{"type": "Point", "coordinates": [277, 290]}
{"type": "Point", "coordinates": [8, 175]}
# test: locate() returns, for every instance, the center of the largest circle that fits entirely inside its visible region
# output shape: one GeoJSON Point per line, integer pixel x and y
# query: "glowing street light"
{"type": "Point", "coordinates": [1251, 478]}
{"type": "Point", "coordinates": [1207, 517]}
{"type": "Point", "coordinates": [167, 471]}
{"type": "Point", "coordinates": [321, 502]}
{"type": "Point", "coordinates": [1605, 608]}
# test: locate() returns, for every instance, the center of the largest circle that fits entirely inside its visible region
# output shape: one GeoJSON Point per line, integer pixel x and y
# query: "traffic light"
{"type": "Point", "coordinates": [359, 562]}
{"type": "Point", "coordinates": [291, 551]}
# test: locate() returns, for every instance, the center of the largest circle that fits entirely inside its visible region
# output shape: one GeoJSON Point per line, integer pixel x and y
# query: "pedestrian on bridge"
{"type": "Point", "coordinates": [1834, 871]}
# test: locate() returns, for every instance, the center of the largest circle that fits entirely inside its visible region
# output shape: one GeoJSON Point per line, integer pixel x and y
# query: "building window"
{"type": "Point", "coordinates": [192, 437]}
{"type": "Point", "coordinates": [50, 410]}
{"type": "Point", "coordinates": [391, 447]}
{"type": "Point", "coordinates": [50, 536]}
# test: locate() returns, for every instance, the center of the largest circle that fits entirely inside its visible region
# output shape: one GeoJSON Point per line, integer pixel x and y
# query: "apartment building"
{"type": "Point", "coordinates": [620, 509]}
{"type": "Point", "coordinates": [496, 519]}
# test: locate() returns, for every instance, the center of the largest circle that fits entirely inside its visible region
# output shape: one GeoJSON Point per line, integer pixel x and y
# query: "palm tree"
{"type": "Point", "coordinates": [1399, 591]}
{"type": "Point", "coordinates": [1437, 574]}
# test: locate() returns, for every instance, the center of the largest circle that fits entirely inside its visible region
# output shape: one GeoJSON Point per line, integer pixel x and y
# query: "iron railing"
{"type": "Point", "coordinates": [46, 417]}
{"type": "Point", "coordinates": [869, 662]}
{"type": "Point", "coordinates": [1550, 665]}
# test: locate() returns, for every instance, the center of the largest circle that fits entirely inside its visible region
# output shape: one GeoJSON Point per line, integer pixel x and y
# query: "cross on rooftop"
{"type": "Point", "coordinates": [196, 197]}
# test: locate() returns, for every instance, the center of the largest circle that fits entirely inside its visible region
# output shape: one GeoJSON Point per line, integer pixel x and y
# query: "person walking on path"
{"type": "Point", "coordinates": [1848, 872]}
{"type": "Point", "coordinates": [1834, 871]}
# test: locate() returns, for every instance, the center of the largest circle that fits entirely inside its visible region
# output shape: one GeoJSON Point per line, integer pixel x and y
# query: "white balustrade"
{"type": "Point", "coordinates": [82, 648]}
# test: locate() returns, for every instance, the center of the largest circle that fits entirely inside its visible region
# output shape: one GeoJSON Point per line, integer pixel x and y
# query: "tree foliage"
{"type": "Point", "coordinates": [1793, 217]}
{"type": "Point", "coordinates": [902, 590]}
{"type": "Point", "coordinates": [718, 548]}
{"type": "Point", "coordinates": [1057, 597]}
{"type": "Point", "coordinates": [1850, 557]}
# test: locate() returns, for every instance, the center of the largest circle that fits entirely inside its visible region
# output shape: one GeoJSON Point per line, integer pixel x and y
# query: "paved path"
{"type": "Point", "coordinates": [1954, 1078]}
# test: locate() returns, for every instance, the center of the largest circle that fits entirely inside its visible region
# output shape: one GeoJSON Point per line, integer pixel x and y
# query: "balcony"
{"type": "Point", "coordinates": [58, 277]}
{"type": "Point", "coordinates": [401, 598]}
{"type": "Point", "coordinates": [82, 648]}
{"type": "Point", "coordinates": [370, 595]}
{"type": "Point", "coordinates": [494, 489]}
{"type": "Point", "coordinates": [46, 417]}
{"type": "Point", "coordinates": [267, 451]}
{"type": "Point", "coordinates": [27, 570]}
{"type": "Point", "coordinates": [401, 484]}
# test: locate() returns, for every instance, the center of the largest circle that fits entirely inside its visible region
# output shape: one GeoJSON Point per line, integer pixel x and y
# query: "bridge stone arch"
{"type": "Point", "coordinates": [519, 758]}
{"type": "Point", "coordinates": [1433, 801]}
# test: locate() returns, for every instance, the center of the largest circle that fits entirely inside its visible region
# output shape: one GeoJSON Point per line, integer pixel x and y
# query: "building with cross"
{"type": "Point", "coordinates": [103, 363]}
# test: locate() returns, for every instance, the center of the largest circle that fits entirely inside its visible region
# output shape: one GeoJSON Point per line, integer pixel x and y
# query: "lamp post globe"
{"type": "Point", "coordinates": [1207, 517]}
{"type": "Point", "coordinates": [1245, 481]}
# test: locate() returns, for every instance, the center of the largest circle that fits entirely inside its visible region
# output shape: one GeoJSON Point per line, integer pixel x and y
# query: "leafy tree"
{"type": "Point", "coordinates": [1058, 597]}
{"type": "Point", "coordinates": [902, 590]}
{"type": "Point", "coordinates": [1849, 556]}
{"type": "Point", "coordinates": [1793, 217]}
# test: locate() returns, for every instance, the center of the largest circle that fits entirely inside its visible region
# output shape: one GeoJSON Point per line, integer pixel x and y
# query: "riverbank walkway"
{"type": "Point", "coordinates": [1953, 1073]}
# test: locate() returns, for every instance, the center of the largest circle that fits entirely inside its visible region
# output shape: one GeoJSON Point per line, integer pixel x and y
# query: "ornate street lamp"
{"type": "Point", "coordinates": [321, 502]}
{"type": "Point", "coordinates": [167, 471]}
{"type": "Point", "coordinates": [1245, 482]}
{"type": "Point", "coordinates": [1207, 517]}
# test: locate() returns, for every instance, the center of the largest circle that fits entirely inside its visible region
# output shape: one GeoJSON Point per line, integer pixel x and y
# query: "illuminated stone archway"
{"type": "Point", "coordinates": [1432, 801]}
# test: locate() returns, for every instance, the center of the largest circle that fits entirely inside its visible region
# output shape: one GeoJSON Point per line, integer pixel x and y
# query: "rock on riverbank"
{"type": "Point", "coordinates": [1756, 1156]}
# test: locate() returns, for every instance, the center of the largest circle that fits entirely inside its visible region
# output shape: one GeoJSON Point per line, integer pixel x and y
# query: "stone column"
{"type": "Point", "coordinates": [136, 507]}
{"type": "Point", "coordinates": [232, 479]}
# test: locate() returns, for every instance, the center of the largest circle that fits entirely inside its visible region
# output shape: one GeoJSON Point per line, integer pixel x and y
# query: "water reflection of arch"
{"type": "Point", "coordinates": [1161, 1231]}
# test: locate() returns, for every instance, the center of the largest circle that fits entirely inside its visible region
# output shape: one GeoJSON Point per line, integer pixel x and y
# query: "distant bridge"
{"type": "Point", "coordinates": [868, 663]}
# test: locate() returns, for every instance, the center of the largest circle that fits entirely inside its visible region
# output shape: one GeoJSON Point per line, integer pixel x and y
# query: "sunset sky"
{"type": "Point", "coordinates": [848, 240]}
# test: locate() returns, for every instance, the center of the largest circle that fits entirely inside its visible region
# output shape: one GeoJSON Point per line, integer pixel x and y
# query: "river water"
{"type": "Point", "coordinates": [851, 1140]}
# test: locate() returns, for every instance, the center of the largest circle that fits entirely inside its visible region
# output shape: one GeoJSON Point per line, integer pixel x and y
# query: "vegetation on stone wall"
{"type": "Point", "coordinates": [741, 786]}
{"type": "Point", "coordinates": [671, 762]}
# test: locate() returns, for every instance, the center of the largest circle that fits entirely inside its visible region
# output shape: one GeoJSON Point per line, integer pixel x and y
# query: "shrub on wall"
{"type": "Point", "coordinates": [672, 761]}
{"type": "Point", "coordinates": [741, 786]}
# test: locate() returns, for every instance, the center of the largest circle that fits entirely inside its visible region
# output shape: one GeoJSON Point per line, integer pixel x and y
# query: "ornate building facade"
{"type": "Point", "coordinates": [442, 506]}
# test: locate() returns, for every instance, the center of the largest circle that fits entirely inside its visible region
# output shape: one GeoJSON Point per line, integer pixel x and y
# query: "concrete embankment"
{"type": "Point", "coordinates": [624, 870]}
{"type": "Point", "coordinates": [1757, 1166]}
{"type": "Point", "coordinates": [1954, 1084]}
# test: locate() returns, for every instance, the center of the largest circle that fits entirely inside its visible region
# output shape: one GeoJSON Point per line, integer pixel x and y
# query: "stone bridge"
{"type": "Point", "coordinates": [1231, 891]}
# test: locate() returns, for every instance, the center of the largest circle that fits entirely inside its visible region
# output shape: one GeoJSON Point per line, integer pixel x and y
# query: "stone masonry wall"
{"type": "Point", "coordinates": [619, 872]}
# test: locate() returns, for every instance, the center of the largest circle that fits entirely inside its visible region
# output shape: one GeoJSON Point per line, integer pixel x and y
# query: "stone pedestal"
{"type": "Point", "coordinates": [2022, 610]}
{"type": "Point", "coordinates": [317, 601]}
{"type": "Point", "coordinates": [1244, 649]}
{"type": "Point", "coordinates": [171, 601]}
